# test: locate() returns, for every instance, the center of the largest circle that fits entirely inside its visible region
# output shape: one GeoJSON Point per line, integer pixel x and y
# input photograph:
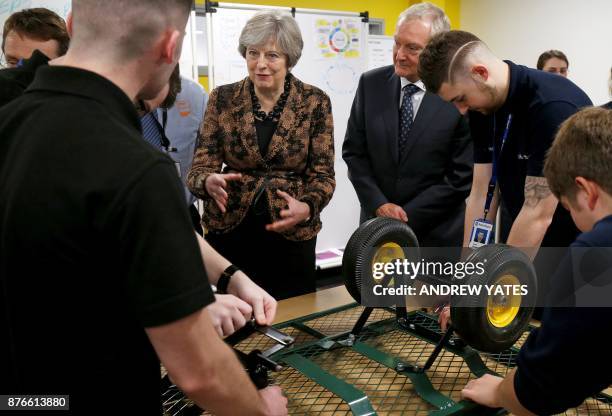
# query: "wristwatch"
{"type": "Point", "coordinates": [225, 277]}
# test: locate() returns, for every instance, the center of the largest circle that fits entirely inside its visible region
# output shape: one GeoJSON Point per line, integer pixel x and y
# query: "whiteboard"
{"type": "Point", "coordinates": [337, 73]}
{"type": "Point", "coordinates": [333, 58]}
{"type": "Point", "coordinates": [380, 51]}
{"type": "Point", "coordinates": [188, 64]}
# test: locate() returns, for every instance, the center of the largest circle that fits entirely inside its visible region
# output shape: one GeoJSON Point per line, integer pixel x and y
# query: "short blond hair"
{"type": "Point", "coordinates": [124, 28]}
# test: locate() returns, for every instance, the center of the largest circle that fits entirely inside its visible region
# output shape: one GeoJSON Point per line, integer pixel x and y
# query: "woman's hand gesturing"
{"type": "Point", "coordinates": [216, 187]}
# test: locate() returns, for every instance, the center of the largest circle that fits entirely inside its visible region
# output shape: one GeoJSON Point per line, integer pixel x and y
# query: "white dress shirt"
{"type": "Point", "coordinates": [417, 97]}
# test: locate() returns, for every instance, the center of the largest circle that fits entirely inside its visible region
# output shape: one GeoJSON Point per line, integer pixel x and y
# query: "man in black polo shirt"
{"type": "Point", "coordinates": [100, 270]}
{"type": "Point", "coordinates": [515, 113]}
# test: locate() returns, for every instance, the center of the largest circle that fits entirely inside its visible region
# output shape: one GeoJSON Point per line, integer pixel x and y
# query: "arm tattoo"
{"type": "Point", "coordinates": [536, 189]}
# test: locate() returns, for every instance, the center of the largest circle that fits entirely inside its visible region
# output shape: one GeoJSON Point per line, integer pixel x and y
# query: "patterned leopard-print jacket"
{"type": "Point", "coordinates": [300, 158]}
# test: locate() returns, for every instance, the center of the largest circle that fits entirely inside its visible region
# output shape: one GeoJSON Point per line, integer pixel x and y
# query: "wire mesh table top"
{"type": "Point", "coordinates": [389, 392]}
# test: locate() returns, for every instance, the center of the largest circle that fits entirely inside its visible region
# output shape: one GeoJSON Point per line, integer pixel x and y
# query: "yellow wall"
{"type": "Point", "coordinates": [204, 82]}
{"type": "Point", "coordinates": [381, 9]}
{"type": "Point", "coordinates": [452, 9]}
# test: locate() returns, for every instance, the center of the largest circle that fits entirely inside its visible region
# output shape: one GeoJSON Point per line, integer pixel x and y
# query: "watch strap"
{"type": "Point", "coordinates": [225, 277]}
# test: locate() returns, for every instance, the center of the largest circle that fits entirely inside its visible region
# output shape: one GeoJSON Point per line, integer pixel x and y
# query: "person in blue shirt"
{"type": "Point", "coordinates": [514, 113]}
{"type": "Point", "coordinates": [578, 173]}
{"type": "Point", "coordinates": [183, 126]}
{"type": "Point", "coordinates": [172, 122]}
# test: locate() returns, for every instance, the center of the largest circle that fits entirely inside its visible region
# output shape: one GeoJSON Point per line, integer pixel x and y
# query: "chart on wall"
{"type": "Point", "coordinates": [333, 56]}
{"type": "Point", "coordinates": [333, 59]}
{"type": "Point", "coordinates": [380, 51]}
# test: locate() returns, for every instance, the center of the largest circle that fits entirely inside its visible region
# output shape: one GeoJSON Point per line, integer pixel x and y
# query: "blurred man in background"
{"type": "Point", "coordinates": [553, 61]}
{"type": "Point", "coordinates": [30, 38]}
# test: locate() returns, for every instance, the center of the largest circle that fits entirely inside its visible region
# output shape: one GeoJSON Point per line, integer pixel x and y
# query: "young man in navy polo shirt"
{"type": "Point", "coordinates": [578, 173]}
{"type": "Point", "coordinates": [515, 113]}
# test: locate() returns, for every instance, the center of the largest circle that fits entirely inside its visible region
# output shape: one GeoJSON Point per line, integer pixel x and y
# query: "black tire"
{"type": "Point", "coordinates": [480, 326]}
{"type": "Point", "coordinates": [357, 258]}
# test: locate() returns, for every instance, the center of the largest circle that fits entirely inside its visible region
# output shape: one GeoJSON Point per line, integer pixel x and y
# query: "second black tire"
{"type": "Point", "coordinates": [491, 323]}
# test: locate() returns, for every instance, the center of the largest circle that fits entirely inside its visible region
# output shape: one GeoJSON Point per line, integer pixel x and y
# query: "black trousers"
{"type": "Point", "coordinates": [282, 267]}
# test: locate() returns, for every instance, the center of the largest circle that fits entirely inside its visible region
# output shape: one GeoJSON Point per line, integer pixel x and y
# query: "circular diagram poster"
{"type": "Point", "coordinates": [338, 37]}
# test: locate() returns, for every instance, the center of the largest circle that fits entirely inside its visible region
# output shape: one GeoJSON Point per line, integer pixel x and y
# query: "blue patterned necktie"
{"type": "Point", "coordinates": [150, 130]}
{"type": "Point", "coordinates": [406, 116]}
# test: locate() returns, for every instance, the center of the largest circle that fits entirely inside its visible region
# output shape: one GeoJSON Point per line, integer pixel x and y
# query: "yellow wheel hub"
{"type": "Point", "coordinates": [502, 309]}
{"type": "Point", "coordinates": [387, 253]}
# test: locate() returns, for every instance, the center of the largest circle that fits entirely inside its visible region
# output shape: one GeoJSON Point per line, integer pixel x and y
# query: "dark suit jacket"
{"type": "Point", "coordinates": [434, 176]}
{"type": "Point", "coordinates": [299, 161]}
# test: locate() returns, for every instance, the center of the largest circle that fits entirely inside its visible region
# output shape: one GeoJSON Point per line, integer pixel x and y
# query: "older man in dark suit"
{"type": "Point", "coordinates": [409, 153]}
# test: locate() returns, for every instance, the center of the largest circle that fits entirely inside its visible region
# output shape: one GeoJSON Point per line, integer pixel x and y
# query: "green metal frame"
{"type": "Point", "coordinates": [420, 381]}
{"type": "Point", "coordinates": [419, 325]}
{"type": "Point", "coordinates": [357, 399]}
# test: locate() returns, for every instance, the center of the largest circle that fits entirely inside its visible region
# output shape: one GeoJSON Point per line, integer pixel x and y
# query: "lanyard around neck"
{"type": "Point", "coordinates": [496, 157]}
{"type": "Point", "coordinates": [161, 128]}
{"type": "Point", "coordinates": [162, 131]}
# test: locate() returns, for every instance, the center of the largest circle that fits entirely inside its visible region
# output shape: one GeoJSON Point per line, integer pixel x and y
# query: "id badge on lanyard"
{"type": "Point", "coordinates": [482, 230]}
{"type": "Point", "coordinates": [166, 143]}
